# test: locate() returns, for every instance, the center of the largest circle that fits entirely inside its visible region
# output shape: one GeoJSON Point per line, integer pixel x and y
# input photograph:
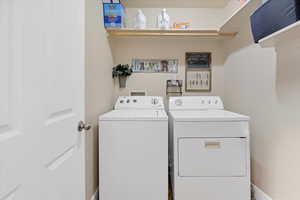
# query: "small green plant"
{"type": "Point", "coordinates": [121, 71]}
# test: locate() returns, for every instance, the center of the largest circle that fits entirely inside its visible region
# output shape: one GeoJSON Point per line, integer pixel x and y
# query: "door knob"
{"type": "Point", "coordinates": [82, 126]}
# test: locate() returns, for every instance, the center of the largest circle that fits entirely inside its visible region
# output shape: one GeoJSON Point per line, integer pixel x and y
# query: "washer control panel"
{"type": "Point", "coordinates": [139, 102]}
{"type": "Point", "coordinates": [196, 103]}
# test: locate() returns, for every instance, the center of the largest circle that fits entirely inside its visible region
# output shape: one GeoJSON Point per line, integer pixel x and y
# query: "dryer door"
{"type": "Point", "coordinates": [212, 157]}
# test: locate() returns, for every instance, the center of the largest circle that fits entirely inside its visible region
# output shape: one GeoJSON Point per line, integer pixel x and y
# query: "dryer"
{"type": "Point", "coordinates": [133, 150]}
{"type": "Point", "coordinates": [209, 150]}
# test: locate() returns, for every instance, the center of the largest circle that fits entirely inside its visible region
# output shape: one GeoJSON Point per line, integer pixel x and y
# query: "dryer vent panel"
{"type": "Point", "coordinates": [138, 93]}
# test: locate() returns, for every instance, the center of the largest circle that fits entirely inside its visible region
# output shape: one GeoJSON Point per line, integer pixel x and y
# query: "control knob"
{"type": "Point", "coordinates": [178, 102]}
{"type": "Point", "coordinates": [154, 101]}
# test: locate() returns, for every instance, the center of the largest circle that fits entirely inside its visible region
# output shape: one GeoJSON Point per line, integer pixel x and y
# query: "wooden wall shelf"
{"type": "Point", "coordinates": [229, 29]}
{"type": "Point", "coordinates": [168, 33]}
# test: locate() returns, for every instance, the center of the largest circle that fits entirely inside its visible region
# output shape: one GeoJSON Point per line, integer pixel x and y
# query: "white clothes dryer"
{"type": "Point", "coordinates": [209, 147]}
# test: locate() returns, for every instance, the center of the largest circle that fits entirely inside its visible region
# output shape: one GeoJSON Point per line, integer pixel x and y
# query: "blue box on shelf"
{"type": "Point", "coordinates": [114, 14]}
{"type": "Point", "coordinates": [273, 16]}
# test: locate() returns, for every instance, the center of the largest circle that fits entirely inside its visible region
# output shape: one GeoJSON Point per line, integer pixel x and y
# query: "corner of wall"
{"type": "Point", "coordinates": [258, 194]}
{"type": "Point", "coordinates": [99, 86]}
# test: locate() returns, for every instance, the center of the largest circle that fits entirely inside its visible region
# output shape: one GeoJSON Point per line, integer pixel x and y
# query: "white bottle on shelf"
{"type": "Point", "coordinates": [163, 20]}
{"type": "Point", "coordinates": [140, 20]}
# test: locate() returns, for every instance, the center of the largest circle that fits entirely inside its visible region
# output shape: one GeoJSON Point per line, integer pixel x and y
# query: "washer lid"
{"type": "Point", "coordinates": [207, 115]}
{"type": "Point", "coordinates": [134, 115]}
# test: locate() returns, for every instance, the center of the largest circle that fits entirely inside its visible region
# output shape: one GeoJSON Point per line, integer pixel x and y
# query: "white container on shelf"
{"type": "Point", "coordinates": [163, 20]}
{"type": "Point", "coordinates": [140, 20]}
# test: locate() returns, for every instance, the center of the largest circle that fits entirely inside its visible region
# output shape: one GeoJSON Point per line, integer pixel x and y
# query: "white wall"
{"type": "Point", "coordinates": [265, 84]}
{"type": "Point", "coordinates": [124, 49]}
{"type": "Point", "coordinates": [175, 3]}
{"type": "Point", "coordinates": [155, 83]}
{"type": "Point", "coordinates": [208, 18]}
{"type": "Point", "coordinates": [99, 85]}
{"type": "Point", "coordinates": [231, 7]}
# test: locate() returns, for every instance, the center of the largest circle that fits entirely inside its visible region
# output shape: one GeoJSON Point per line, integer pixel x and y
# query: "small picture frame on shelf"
{"type": "Point", "coordinates": [155, 65]}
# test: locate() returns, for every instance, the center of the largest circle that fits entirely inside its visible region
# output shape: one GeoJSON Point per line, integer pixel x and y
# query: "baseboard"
{"type": "Point", "coordinates": [259, 194]}
{"type": "Point", "coordinates": [95, 195]}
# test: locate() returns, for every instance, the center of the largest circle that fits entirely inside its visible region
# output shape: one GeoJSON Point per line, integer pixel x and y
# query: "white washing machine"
{"type": "Point", "coordinates": [210, 157]}
{"type": "Point", "coordinates": [133, 145]}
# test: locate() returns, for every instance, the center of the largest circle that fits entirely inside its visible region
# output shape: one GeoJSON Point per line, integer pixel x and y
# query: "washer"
{"type": "Point", "coordinates": [133, 149]}
{"type": "Point", "coordinates": [209, 147]}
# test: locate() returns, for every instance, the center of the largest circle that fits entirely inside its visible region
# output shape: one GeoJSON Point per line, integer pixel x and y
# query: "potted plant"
{"type": "Point", "coordinates": [122, 71]}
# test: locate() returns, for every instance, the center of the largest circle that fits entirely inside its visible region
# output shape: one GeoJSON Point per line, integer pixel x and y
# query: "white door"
{"type": "Point", "coordinates": [41, 99]}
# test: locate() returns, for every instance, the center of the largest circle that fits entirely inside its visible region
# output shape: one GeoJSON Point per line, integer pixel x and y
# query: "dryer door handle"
{"type": "Point", "coordinates": [212, 145]}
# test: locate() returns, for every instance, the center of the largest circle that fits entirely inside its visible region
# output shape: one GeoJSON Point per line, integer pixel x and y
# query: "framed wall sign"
{"type": "Point", "coordinates": [198, 60]}
{"type": "Point", "coordinates": [155, 65]}
{"type": "Point", "coordinates": [198, 72]}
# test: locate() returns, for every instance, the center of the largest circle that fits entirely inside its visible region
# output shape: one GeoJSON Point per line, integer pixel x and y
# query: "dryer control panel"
{"type": "Point", "coordinates": [140, 102]}
{"type": "Point", "coordinates": [196, 103]}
